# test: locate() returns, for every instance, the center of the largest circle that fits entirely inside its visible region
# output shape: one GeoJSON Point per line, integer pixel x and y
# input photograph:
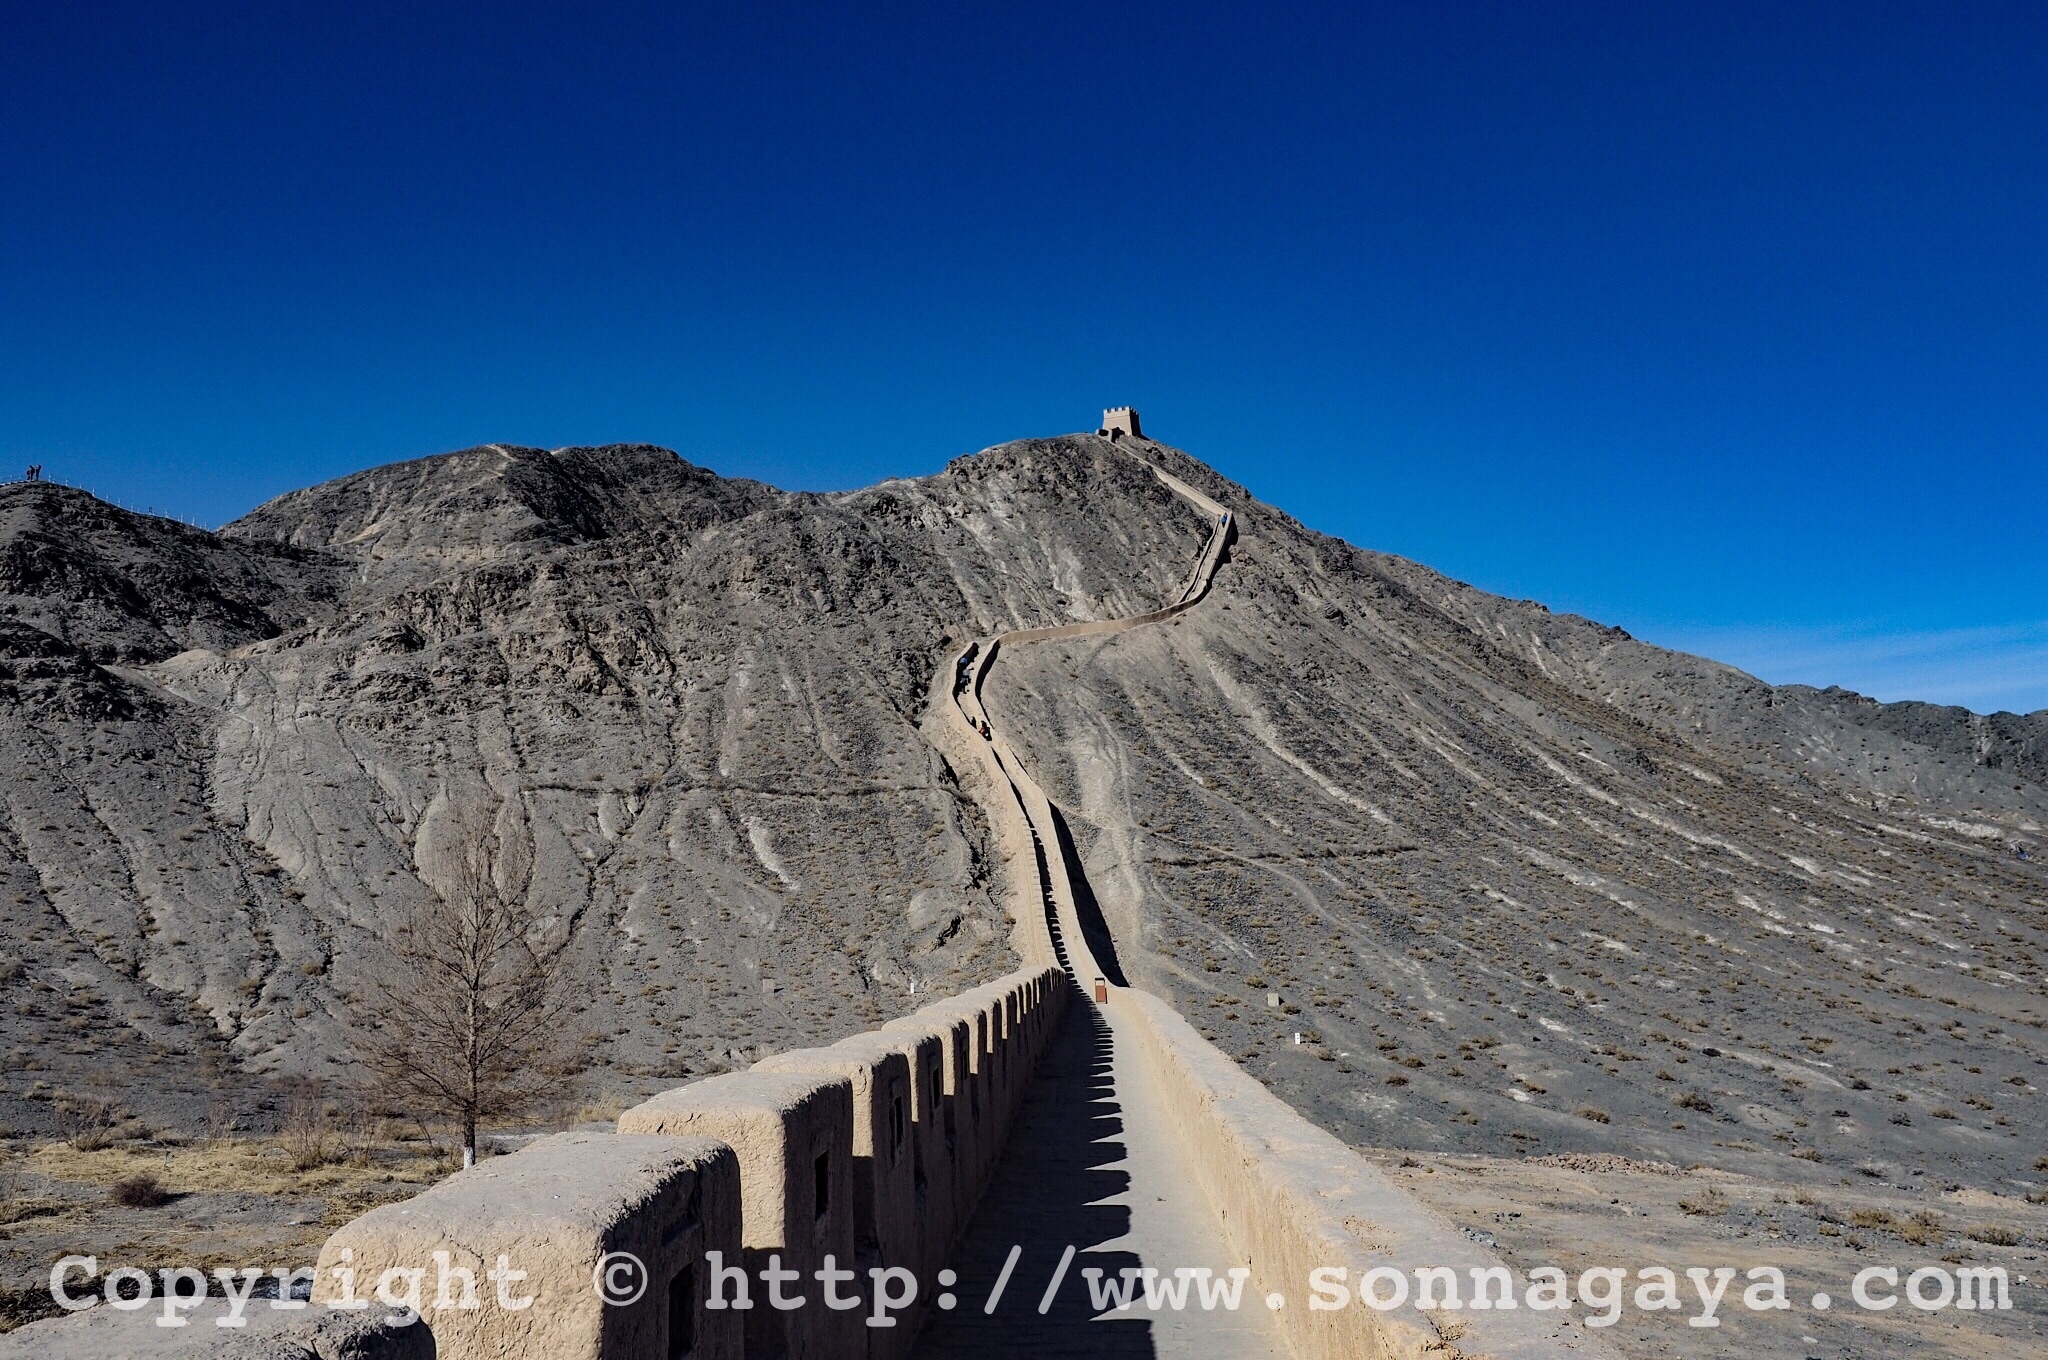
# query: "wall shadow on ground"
{"type": "Point", "coordinates": [1094, 927]}
{"type": "Point", "coordinates": [1048, 1194]}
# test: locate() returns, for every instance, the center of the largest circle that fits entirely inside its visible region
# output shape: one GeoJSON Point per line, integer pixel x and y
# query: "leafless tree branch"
{"type": "Point", "coordinates": [467, 1008]}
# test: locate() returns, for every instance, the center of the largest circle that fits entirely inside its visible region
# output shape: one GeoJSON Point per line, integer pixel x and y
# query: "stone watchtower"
{"type": "Point", "coordinates": [1120, 420]}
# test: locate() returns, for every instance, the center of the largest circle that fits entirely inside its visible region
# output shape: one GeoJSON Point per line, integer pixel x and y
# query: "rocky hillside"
{"type": "Point", "coordinates": [1510, 872]}
{"type": "Point", "coordinates": [693, 703]}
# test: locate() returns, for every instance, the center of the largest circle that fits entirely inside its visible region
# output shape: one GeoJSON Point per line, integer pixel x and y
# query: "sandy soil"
{"type": "Point", "coordinates": [1577, 1211]}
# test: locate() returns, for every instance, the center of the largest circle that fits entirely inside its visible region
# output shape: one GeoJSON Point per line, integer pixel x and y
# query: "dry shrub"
{"type": "Point", "coordinates": [1923, 1230]}
{"type": "Point", "coordinates": [307, 1136]}
{"type": "Point", "coordinates": [221, 1121]}
{"type": "Point", "coordinates": [19, 1307]}
{"type": "Point", "coordinates": [93, 1121]}
{"type": "Point", "coordinates": [361, 1135]}
{"type": "Point", "coordinates": [1993, 1235]}
{"type": "Point", "coordinates": [1597, 1116]}
{"type": "Point", "coordinates": [140, 1191]}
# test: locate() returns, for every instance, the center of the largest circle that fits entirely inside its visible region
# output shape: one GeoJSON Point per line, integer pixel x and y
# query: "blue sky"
{"type": "Point", "coordinates": [1725, 323]}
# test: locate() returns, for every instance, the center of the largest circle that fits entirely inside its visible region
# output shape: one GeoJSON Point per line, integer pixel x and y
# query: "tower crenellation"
{"type": "Point", "coordinates": [1121, 420]}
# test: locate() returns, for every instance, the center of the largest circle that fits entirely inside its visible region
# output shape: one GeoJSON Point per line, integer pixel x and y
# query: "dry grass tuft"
{"type": "Point", "coordinates": [603, 1111]}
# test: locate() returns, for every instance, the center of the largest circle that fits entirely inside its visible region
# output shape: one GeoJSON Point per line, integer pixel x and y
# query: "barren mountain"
{"type": "Point", "coordinates": [1520, 882]}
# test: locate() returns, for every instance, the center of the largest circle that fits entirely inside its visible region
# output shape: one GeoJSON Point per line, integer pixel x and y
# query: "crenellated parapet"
{"type": "Point", "coordinates": [1121, 422]}
{"type": "Point", "coordinates": [870, 1153]}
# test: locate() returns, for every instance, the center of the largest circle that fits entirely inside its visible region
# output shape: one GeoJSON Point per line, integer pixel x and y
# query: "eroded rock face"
{"type": "Point", "coordinates": [1557, 857]}
{"type": "Point", "coordinates": [695, 700]}
{"type": "Point", "coordinates": [112, 586]}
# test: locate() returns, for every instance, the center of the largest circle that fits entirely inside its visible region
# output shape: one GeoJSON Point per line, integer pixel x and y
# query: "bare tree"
{"type": "Point", "coordinates": [469, 1010]}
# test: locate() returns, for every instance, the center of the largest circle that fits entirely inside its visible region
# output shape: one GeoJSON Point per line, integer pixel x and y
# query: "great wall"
{"type": "Point", "coordinates": [989, 1133]}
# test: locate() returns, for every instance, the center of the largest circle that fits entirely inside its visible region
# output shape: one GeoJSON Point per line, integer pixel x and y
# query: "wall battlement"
{"type": "Point", "coordinates": [1119, 421]}
{"type": "Point", "coordinates": [873, 1150]}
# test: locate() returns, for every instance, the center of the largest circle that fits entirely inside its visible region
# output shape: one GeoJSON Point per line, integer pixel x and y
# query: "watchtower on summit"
{"type": "Point", "coordinates": [1120, 420]}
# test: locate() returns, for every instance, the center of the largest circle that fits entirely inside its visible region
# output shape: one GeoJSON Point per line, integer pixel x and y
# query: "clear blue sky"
{"type": "Point", "coordinates": [1725, 323]}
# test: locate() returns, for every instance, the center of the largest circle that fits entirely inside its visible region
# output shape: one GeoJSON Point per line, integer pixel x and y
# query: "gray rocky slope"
{"type": "Point", "coordinates": [1519, 881]}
